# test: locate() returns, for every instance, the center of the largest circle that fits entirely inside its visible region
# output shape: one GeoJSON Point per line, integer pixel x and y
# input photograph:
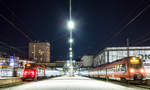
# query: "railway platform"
{"type": "Point", "coordinates": [9, 80]}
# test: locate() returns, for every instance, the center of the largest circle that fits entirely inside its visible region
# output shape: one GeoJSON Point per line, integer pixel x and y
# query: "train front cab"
{"type": "Point", "coordinates": [136, 71]}
{"type": "Point", "coordinates": [30, 72]}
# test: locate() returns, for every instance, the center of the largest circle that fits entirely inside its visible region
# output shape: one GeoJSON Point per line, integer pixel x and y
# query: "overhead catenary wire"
{"type": "Point", "coordinates": [130, 13]}
{"type": "Point", "coordinates": [16, 28]}
{"type": "Point", "coordinates": [142, 41]}
{"type": "Point", "coordinates": [14, 14]}
{"type": "Point", "coordinates": [11, 47]}
{"type": "Point", "coordinates": [135, 42]}
{"type": "Point", "coordinates": [126, 25]}
{"type": "Point", "coordinates": [8, 47]}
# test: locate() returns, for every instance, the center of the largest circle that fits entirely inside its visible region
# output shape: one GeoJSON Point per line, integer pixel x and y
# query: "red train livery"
{"type": "Point", "coordinates": [33, 71]}
{"type": "Point", "coordinates": [126, 69]}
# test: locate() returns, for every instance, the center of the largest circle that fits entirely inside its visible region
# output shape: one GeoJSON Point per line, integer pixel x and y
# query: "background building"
{"type": "Point", "coordinates": [39, 51]}
{"type": "Point", "coordinates": [87, 60]}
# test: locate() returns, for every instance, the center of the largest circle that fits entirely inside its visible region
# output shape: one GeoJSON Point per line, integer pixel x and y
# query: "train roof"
{"type": "Point", "coordinates": [115, 61]}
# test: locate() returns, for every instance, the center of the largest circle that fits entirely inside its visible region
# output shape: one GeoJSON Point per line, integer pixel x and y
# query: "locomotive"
{"type": "Point", "coordinates": [33, 71]}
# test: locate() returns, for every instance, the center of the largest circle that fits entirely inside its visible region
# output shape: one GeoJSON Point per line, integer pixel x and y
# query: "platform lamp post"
{"type": "Point", "coordinates": [70, 27]}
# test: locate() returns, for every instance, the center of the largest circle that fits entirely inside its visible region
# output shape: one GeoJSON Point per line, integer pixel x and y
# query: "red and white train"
{"type": "Point", "coordinates": [126, 69]}
{"type": "Point", "coordinates": [33, 71]}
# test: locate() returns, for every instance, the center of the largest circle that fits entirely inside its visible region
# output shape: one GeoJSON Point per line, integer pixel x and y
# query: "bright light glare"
{"type": "Point", "coordinates": [70, 25]}
{"type": "Point", "coordinates": [71, 40]}
{"type": "Point", "coordinates": [71, 67]}
{"type": "Point", "coordinates": [132, 70]}
{"type": "Point", "coordinates": [68, 63]}
{"type": "Point", "coordinates": [70, 49]}
{"type": "Point", "coordinates": [134, 61]}
{"type": "Point", "coordinates": [142, 70]}
{"type": "Point", "coordinates": [71, 56]}
{"type": "Point", "coordinates": [70, 53]}
{"type": "Point", "coordinates": [12, 64]}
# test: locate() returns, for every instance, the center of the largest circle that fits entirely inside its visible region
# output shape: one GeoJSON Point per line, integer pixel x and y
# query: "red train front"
{"type": "Point", "coordinates": [136, 69]}
{"type": "Point", "coordinates": [30, 72]}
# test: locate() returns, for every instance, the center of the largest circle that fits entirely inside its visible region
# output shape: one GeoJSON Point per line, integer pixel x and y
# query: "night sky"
{"type": "Point", "coordinates": [97, 21]}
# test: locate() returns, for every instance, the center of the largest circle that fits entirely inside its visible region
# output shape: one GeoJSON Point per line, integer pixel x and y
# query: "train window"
{"type": "Point", "coordinates": [29, 66]}
{"type": "Point", "coordinates": [118, 68]}
{"type": "Point", "coordinates": [135, 63]}
{"type": "Point", "coordinates": [123, 67]}
{"type": "Point", "coordinates": [137, 66]}
{"type": "Point", "coordinates": [114, 68]}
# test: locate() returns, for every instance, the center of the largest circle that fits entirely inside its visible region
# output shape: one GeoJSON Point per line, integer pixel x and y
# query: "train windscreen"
{"type": "Point", "coordinates": [135, 63]}
{"type": "Point", "coordinates": [29, 66]}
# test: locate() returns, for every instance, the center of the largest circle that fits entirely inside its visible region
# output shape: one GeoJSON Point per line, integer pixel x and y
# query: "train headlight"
{"type": "Point", "coordinates": [32, 72]}
{"type": "Point", "coordinates": [25, 73]}
{"type": "Point", "coordinates": [132, 70]}
{"type": "Point", "coordinates": [141, 70]}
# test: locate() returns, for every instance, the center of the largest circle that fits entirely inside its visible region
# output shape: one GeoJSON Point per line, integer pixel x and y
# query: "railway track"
{"type": "Point", "coordinates": [143, 86]}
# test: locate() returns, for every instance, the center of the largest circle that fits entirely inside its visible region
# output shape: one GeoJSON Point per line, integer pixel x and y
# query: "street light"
{"type": "Point", "coordinates": [70, 49]}
{"type": "Point", "coordinates": [70, 25]}
{"type": "Point", "coordinates": [70, 53]}
{"type": "Point", "coordinates": [70, 56]}
{"type": "Point", "coordinates": [70, 40]}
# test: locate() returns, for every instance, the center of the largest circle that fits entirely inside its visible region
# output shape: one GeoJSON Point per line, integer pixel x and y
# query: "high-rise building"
{"type": "Point", "coordinates": [39, 51]}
